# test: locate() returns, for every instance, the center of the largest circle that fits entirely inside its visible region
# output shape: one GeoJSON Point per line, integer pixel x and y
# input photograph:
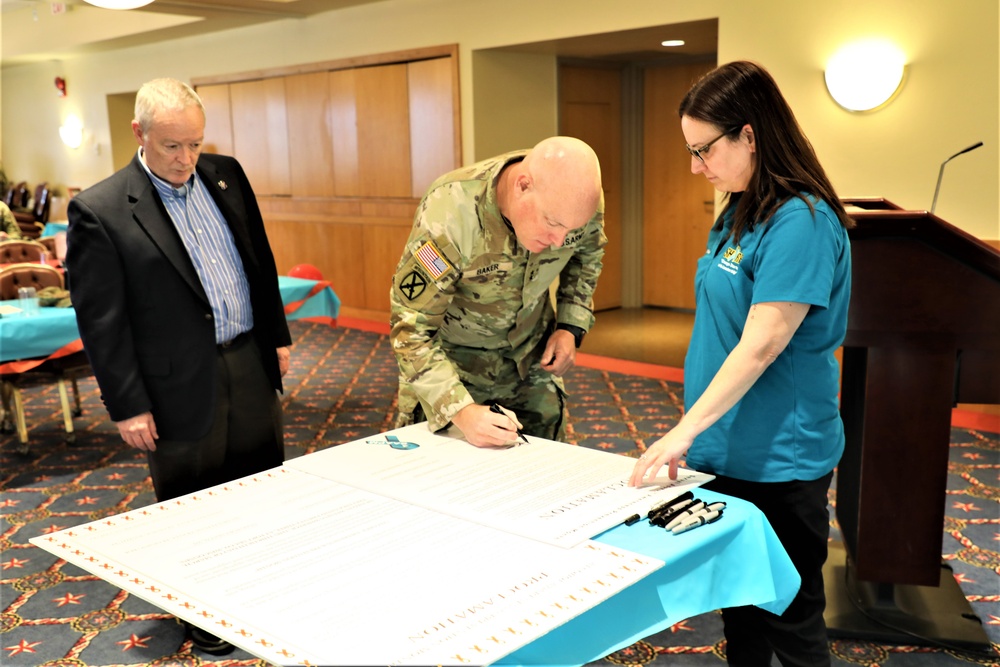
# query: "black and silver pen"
{"type": "Point", "coordinates": [667, 505]}
{"type": "Point", "coordinates": [495, 407]}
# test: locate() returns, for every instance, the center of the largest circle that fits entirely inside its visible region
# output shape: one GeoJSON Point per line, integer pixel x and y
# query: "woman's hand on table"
{"type": "Point", "coordinates": [669, 449]}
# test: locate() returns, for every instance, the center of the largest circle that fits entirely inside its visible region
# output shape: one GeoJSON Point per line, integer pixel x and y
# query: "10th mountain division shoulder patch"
{"type": "Point", "coordinates": [412, 285]}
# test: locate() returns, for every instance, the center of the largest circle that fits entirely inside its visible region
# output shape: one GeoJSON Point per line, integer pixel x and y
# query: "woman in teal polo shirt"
{"type": "Point", "coordinates": [760, 377]}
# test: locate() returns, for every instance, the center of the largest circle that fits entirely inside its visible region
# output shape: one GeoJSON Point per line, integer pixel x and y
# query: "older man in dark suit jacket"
{"type": "Point", "coordinates": [177, 299]}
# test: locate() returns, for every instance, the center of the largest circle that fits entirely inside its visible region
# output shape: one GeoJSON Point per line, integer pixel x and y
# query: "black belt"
{"type": "Point", "coordinates": [235, 341]}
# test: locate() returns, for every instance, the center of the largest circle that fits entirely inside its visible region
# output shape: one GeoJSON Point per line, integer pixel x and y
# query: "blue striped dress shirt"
{"type": "Point", "coordinates": [209, 243]}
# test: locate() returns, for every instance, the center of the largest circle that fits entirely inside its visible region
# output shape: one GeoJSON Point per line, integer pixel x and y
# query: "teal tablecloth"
{"type": "Point", "coordinates": [309, 300]}
{"type": "Point", "coordinates": [734, 561]}
{"type": "Point", "coordinates": [42, 334]}
{"type": "Point", "coordinates": [53, 228]}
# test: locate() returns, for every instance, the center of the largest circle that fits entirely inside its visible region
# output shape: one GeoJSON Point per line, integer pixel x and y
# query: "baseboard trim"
{"type": "Point", "coordinates": [976, 421]}
{"type": "Point", "coordinates": [642, 369]}
{"type": "Point", "coordinates": [371, 326]}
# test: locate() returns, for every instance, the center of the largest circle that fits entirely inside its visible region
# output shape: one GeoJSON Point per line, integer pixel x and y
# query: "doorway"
{"type": "Point", "coordinates": [678, 206]}
{"type": "Point", "coordinates": [656, 233]}
{"type": "Point", "coordinates": [121, 109]}
{"type": "Point", "coordinates": [619, 92]}
{"type": "Point", "coordinates": [644, 301]}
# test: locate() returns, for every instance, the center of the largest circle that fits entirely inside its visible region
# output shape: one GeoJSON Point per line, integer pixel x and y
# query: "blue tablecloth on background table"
{"type": "Point", "coordinates": [53, 328]}
{"type": "Point", "coordinates": [309, 300]}
{"type": "Point", "coordinates": [53, 228]}
{"type": "Point", "coordinates": [735, 561]}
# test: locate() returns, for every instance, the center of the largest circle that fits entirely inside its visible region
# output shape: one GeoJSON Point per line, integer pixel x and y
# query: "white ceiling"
{"type": "Point", "coordinates": [32, 31]}
{"type": "Point", "coordinates": [36, 30]}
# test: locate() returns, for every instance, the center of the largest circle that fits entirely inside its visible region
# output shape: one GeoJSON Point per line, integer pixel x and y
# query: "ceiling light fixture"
{"type": "Point", "coordinates": [119, 4]}
{"type": "Point", "coordinates": [672, 42]}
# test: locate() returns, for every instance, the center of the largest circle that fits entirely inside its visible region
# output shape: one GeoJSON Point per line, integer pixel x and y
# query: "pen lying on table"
{"type": "Point", "coordinates": [661, 508]}
{"type": "Point", "coordinates": [681, 514]}
{"type": "Point", "coordinates": [700, 519]}
{"type": "Point", "coordinates": [698, 509]}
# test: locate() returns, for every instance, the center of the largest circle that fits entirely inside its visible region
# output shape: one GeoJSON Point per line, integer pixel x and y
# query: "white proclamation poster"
{"type": "Point", "coordinates": [301, 570]}
{"type": "Point", "coordinates": [546, 490]}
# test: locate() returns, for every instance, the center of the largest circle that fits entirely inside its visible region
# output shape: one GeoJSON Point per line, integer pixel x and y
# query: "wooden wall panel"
{"type": "Point", "coordinates": [310, 143]}
{"type": "Point", "coordinates": [344, 131]}
{"type": "Point", "coordinates": [590, 109]}
{"type": "Point", "coordinates": [260, 134]}
{"type": "Point", "coordinates": [383, 131]}
{"type": "Point", "coordinates": [335, 164]}
{"type": "Point", "coordinates": [218, 122]}
{"type": "Point", "coordinates": [377, 211]}
{"type": "Point", "coordinates": [333, 248]}
{"type": "Point", "coordinates": [433, 121]}
{"type": "Point", "coordinates": [383, 246]}
{"type": "Point", "coordinates": [678, 206]}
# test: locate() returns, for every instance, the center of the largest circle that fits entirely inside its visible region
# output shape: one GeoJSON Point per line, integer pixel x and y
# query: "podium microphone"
{"type": "Point", "coordinates": [941, 171]}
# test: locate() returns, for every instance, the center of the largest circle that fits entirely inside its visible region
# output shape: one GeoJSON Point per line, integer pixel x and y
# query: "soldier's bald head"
{"type": "Point", "coordinates": [566, 172]}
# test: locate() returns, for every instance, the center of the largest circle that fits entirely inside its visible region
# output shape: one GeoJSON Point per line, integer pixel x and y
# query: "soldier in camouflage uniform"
{"type": "Point", "coordinates": [9, 229]}
{"type": "Point", "coordinates": [472, 318]}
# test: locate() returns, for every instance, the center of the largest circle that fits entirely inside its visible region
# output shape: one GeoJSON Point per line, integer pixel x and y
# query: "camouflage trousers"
{"type": "Point", "coordinates": [538, 400]}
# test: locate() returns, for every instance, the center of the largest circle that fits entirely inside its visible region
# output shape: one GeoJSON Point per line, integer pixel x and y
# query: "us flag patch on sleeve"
{"type": "Point", "coordinates": [430, 258]}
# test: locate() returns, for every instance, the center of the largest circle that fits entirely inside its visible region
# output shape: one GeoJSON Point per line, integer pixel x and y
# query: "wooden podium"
{"type": "Point", "coordinates": [923, 334]}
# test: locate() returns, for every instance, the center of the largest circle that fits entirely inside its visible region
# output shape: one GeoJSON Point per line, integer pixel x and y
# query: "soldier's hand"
{"type": "Point", "coordinates": [484, 428]}
{"type": "Point", "coordinates": [560, 352]}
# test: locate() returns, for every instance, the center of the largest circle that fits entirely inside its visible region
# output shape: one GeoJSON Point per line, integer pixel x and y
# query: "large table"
{"type": "Point", "coordinates": [25, 342]}
{"type": "Point", "coordinates": [735, 561]}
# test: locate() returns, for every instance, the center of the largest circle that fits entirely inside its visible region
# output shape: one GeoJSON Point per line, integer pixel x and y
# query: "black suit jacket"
{"type": "Point", "coordinates": [144, 317]}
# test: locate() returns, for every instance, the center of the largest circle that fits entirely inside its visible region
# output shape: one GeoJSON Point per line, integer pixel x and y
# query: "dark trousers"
{"type": "Point", "coordinates": [798, 513]}
{"type": "Point", "coordinates": [246, 434]}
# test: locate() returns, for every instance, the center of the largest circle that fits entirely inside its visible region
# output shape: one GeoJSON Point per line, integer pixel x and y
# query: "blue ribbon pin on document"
{"type": "Point", "coordinates": [393, 442]}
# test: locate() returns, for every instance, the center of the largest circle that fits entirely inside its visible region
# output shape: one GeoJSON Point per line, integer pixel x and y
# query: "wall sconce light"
{"type": "Point", "coordinates": [865, 76]}
{"type": "Point", "coordinates": [119, 4]}
{"type": "Point", "coordinates": [71, 132]}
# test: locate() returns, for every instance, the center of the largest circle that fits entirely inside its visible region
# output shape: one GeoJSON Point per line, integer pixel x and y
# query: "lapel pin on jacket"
{"type": "Point", "coordinates": [222, 185]}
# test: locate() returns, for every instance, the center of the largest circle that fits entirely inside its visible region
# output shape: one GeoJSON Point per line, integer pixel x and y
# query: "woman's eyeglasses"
{"type": "Point", "coordinates": [697, 152]}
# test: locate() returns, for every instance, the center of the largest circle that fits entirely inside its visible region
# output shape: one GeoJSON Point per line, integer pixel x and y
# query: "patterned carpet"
{"type": "Point", "coordinates": [342, 387]}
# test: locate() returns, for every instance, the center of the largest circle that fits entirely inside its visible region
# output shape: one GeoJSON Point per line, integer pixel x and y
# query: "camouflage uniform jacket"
{"type": "Point", "coordinates": [8, 224]}
{"type": "Point", "coordinates": [465, 282]}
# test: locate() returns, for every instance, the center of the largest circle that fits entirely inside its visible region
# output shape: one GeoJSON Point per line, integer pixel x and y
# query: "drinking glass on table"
{"type": "Point", "coordinates": [28, 300]}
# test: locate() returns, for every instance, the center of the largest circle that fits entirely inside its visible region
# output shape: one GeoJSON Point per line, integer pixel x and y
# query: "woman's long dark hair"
{"type": "Point", "coordinates": [785, 164]}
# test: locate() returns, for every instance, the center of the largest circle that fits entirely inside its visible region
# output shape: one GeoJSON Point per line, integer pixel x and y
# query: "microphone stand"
{"type": "Point", "coordinates": [941, 171]}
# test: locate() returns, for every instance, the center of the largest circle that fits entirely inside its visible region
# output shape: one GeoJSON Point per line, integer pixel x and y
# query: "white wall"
{"type": "Point", "coordinates": [515, 101]}
{"type": "Point", "coordinates": [950, 99]}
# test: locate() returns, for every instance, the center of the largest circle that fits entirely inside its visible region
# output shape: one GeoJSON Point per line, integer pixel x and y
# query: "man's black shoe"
{"type": "Point", "coordinates": [207, 642]}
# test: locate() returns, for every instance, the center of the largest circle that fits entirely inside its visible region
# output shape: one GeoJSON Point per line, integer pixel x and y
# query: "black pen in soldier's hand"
{"type": "Point", "coordinates": [495, 407]}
